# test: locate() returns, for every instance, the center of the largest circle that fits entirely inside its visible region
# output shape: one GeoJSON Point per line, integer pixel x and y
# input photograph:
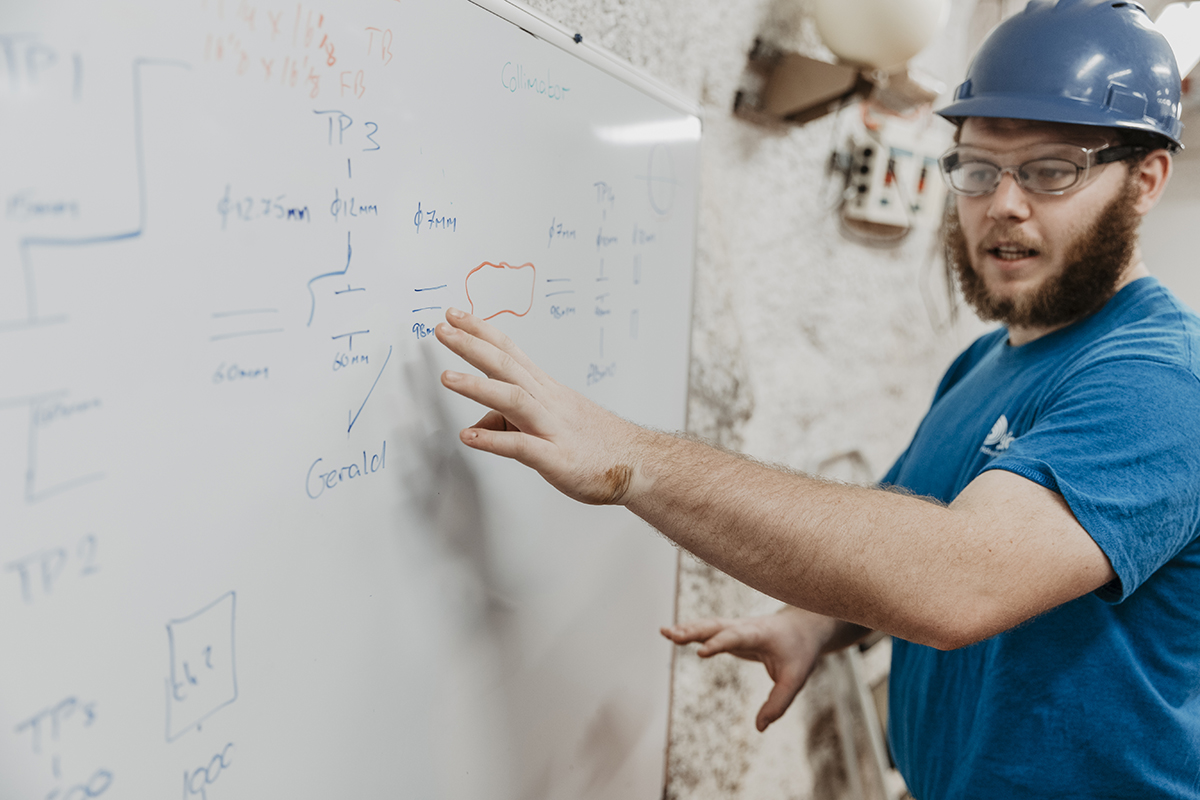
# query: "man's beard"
{"type": "Point", "coordinates": [1094, 264]}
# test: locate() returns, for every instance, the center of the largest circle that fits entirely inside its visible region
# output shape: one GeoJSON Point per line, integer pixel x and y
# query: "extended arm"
{"type": "Point", "coordinates": [1004, 551]}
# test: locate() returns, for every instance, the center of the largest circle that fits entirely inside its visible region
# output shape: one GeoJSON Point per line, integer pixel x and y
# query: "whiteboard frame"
{"type": "Point", "coordinates": [535, 24]}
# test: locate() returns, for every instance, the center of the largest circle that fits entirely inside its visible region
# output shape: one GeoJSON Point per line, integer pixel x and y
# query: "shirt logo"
{"type": "Point", "coordinates": [998, 440]}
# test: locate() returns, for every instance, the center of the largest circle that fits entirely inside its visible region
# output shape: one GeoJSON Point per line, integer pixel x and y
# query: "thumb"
{"type": "Point", "coordinates": [779, 699]}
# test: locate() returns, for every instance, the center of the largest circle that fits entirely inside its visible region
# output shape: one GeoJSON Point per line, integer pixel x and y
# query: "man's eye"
{"type": "Point", "coordinates": [1050, 172]}
{"type": "Point", "coordinates": [978, 173]}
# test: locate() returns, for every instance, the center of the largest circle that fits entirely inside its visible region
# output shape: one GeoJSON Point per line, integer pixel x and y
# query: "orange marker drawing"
{"type": "Point", "coordinates": [501, 290]}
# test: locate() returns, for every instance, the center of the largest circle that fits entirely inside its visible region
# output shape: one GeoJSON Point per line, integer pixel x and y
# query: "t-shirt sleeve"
{"type": "Point", "coordinates": [1120, 441]}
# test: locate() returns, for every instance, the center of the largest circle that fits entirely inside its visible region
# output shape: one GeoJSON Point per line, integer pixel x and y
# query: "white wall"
{"type": "Point", "coordinates": [1168, 236]}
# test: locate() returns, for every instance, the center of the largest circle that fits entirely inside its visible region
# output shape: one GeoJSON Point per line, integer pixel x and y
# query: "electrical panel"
{"type": "Point", "coordinates": [891, 181]}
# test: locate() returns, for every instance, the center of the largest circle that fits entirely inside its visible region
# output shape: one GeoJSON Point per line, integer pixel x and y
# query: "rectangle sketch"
{"type": "Point", "coordinates": [61, 453]}
{"type": "Point", "coordinates": [203, 677]}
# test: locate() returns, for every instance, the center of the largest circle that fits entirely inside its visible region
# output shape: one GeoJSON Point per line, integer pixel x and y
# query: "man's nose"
{"type": "Point", "coordinates": [1009, 200]}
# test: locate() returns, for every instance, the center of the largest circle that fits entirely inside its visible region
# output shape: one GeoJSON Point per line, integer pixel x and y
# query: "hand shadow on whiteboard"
{"type": "Point", "coordinates": [445, 494]}
{"type": "Point", "coordinates": [441, 486]}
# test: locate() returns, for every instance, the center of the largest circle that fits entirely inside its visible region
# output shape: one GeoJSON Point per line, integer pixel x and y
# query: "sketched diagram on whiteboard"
{"type": "Point", "coordinates": [203, 676]}
{"type": "Point", "coordinates": [660, 179]}
{"type": "Point", "coordinates": [58, 457]}
{"type": "Point", "coordinates": [495, 289]}
{"type": "Point", "coordinates": [34, 315]}
{"type": "Point", "coordinates": [334, 274]}
{"type": "Point", "coordinates": [349, 358]}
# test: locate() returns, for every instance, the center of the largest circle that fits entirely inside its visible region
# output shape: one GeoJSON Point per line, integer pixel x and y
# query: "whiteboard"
{"type": "Point", "coordinates": [242, 552]}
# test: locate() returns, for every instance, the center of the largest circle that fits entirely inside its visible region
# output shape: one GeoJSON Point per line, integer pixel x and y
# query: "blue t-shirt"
{"type": "Point", "coordinates": [1100, 697]}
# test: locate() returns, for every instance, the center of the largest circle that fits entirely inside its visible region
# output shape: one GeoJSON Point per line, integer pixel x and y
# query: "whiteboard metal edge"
{"type": "Point", "coordinates": [687, 427]}
{"type": "Point", "coordinates": [552, 32]}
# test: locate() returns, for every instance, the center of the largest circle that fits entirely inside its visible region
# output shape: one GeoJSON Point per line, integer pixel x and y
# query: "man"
{"type": "Point", "coordinates": [1045, 605]}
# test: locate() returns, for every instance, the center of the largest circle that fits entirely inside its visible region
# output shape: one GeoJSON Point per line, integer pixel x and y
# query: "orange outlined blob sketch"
{"type": "Point", "coordinates": [495, 289]}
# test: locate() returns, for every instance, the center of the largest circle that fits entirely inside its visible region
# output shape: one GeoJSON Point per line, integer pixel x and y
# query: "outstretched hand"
{"type": "Point", "coordinates": [582, 450]}
{"type": "Point", "coordinates": [788, 644]}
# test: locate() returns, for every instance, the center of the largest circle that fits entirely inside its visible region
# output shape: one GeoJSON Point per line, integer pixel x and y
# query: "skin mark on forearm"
{"type": "Point", "coordinates": [614, 485]}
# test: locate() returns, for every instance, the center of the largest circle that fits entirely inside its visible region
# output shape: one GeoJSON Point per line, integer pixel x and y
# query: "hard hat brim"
{"type": "Point", "coordinates": [1060, 109]}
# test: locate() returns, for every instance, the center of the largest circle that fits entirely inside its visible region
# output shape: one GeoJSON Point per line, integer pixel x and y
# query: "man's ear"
{"type": "Point", "coordinates": [1152, 176]}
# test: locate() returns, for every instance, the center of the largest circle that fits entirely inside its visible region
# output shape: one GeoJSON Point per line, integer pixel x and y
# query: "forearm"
{"type": "Point", "coordinates": [763, 526]}
{"type": "Point", "coordinates": [882, 560]}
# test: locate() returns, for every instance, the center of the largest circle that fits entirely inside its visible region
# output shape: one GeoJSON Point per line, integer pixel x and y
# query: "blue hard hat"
{"type": "Point", "coordinates": [1085, 62]}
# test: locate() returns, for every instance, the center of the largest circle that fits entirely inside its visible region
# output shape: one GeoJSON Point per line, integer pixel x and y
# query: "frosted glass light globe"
{"type": "Point", "coordinates": [880, 34]}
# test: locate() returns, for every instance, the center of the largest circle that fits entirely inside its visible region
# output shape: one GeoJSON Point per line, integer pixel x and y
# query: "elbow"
{"type": "Point", "coordinates": [957, 626]}
{"type": "Point", "coordinates": [940, 638]}
{"type": "Point", "coordinates": [946, 641]}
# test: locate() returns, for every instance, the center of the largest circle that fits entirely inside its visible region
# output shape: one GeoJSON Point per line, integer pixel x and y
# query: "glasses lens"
{"type": "Point", "coordinates": [1049, 174]}
{"type": "Point", "coordinates": [969, 177]}
{"type": "Point", "coordinates": [1053, 169]}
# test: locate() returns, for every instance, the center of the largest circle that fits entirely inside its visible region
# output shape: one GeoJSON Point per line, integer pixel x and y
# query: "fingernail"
{"type": "Point", "coordinates": [452, 376]}
{"type": "Point", "coordinates": [455, 313]}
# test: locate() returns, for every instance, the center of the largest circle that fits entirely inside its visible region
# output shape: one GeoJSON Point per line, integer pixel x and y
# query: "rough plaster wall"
{"type": "Point", "coordinates": [806, 347]}
{"type": "Point", "coordinates": [1168, 232]}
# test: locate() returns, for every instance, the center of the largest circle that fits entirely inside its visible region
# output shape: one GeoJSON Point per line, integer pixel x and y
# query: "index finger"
{"type": "Point", "coordinates": [694, 630]}
{"type": "Point", "coordinates": [473, 325]}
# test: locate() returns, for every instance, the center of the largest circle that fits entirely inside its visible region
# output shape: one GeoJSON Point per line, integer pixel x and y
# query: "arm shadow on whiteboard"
{"type": "Point", "coordinates": [444, 493]}
{"type": "Point", "coordinates": [440, 485]}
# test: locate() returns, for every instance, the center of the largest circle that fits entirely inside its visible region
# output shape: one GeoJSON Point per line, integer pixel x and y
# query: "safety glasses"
{"type": "Point", "coordinates": [1048, 169]}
